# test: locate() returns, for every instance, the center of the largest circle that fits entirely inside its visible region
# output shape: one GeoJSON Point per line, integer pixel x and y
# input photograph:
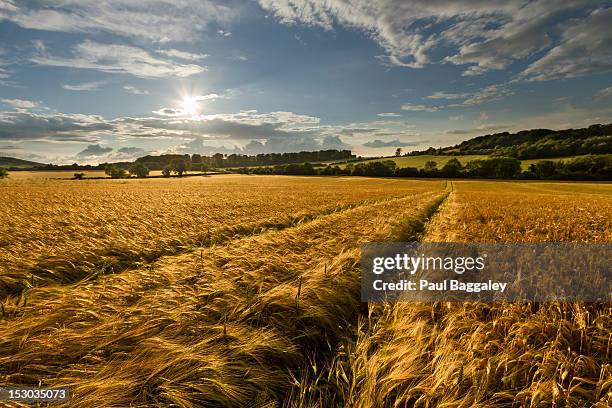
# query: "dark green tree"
{"type": "Point", "coordinates": [543, 168]}
{"type": "Point", "coordinates": [452, 168]}
{"type": "Point", "coordinates": [139, 170]}
{"type": "Point", "coordinates": [430, 165]}
{"type": "Point", "coordinates": [179, 166]}
{"type": "Point", "coordinates": [115, 172]}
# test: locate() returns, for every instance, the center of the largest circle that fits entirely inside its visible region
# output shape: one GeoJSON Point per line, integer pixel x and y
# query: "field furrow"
{"type": "Point", "coordinates": [481, 355]}
{"type": "Point", "coordinates": [229, 325]}
{"type": "Point", "coordinates": [62, 231]}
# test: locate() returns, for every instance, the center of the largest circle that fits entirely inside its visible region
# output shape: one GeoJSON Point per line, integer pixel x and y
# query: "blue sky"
{"type": "Point", "coordinates": [98, 80]}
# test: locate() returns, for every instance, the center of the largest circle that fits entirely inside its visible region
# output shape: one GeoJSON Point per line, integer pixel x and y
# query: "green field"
{"type": "Point", "coordinates": [419, 161]}
{"type": "Point", "coordinates": [19, 163]}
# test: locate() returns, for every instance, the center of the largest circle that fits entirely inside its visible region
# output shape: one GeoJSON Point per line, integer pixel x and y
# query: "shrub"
{"type": "Point", "coordinates": [3, 173]}
{"type": "Point", "coordinates": [166, 171]}
{"type": "Point", "coordinates": [79, 176]}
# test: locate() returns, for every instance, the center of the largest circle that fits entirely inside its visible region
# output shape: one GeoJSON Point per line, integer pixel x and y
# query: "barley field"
{"type": "Point", "coordinates": [63, 230]}
{"type": "Point", "coordinates": [244, 291]}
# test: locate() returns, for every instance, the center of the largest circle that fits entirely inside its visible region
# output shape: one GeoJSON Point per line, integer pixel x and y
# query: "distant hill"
{"type": "Point", "coordinates": [18, 163]}
{"type": "Point", "coordinates": [535, 143]}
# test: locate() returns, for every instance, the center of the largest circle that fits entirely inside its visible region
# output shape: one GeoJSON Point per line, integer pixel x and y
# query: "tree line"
{"type": "Point", "coordinates": [178, 166]}
{"type": "Point", "coordinates": [583, 168]}
{"type": "Point", "coordinates": [219, 160]}
{"type": "Point", "coordinates": [534, 144]}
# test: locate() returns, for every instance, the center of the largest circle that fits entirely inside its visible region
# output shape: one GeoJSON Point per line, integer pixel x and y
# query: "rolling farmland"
{"type": "Point", "coordinates": [244, 291]}
{"type": "Point", "coordinates": [420, 160]}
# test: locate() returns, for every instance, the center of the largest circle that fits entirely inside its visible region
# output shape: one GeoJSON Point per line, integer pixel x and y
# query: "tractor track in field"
{"type": "Point", "coordinates": [410, 229]}
{"type": "Point", "coordinates": [79, 271]}
{"type": "Point", "coordinates": [311, 332]}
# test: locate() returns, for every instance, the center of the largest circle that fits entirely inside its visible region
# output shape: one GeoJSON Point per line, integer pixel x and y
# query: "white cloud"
{"type": "Point", "coordinates": [20, 103]}
{"type": "Point", "coordinates": [377, 143]}
{"type": "Point", "coordinates": [122, 59]}
{"type": "Point", "coordinates": [58, 127]}
{"type": "Point", "coordinates": [585, 48]}
{"type": "Point", "coordinates": [418, 108]}
{"type": "Point", "coordinates": [169, 112]}
{"type": "Point", "coordinates": [94, 150]}
{"type": "Point", "coordinates": [7, 6]}
{"type": "Point", "coordinates": [604, 93]}
{"type": "Point", "coordinates": [209, 97]}
{"type": "Point", "coordinates": [528, 29]}
{"type": "Point", "coordinates": [189, 56]}
{"type": "Point", "coordinates": [478, 130]}
{"type": "Point", "coordinates": [272, 131]}
{"type": "Point", "coordinates": [135, 91]}
{"type": "Point", "coordinates": [388, 115]}
{"type": "Point", "coordinates": [455, 117]}
{"type": "Point", "coordinates": [484, 95]}
{"type": "Point", "coordinates": [224, 33]}
{"type": "Point", "coordinates": [153, 20]}
{"type": "Point", "coordinates": [126, 154]}
{"type": "Point", "coordinates": [488, 94]}
{"type": "Point", "coordinates": [190, 105]}
{"type": "Point", "coordinates": [447, 95]}
{"type": "Point", "coordinates": [85, 86]}
{"type": "Point", "coordinates": [483, 34]}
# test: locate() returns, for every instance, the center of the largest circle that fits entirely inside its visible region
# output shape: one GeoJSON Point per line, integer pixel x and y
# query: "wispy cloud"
{"type": "Point", "coordinates": [58, 127]}
{"type": "Point", "coordinates": [586, 48]}
{"type": "Point", "coordinates": [418, 108]}
{"type": "Point", "coordinates": [194, 101]}
{"type": "Point", "coordinates": [120, 59]}
{"type": "Point", "coordinates": [482, 35]}
{"type": "Point", "coordinates": [487, 94]}
{"type": "Point", "coordinates": [20, 103]}
{"type": "Point", "coordinates": [388, 115]}
{"type": "Point", "coordinates": [478, 130]}
{"type": "Point", "coordinates": [604, 93]}
{"type": "Point", "coordinates": [94, 150]}
{"type": "Point", "coordinates": [85, 86]}
{"type": "Point", "coordinates": [391, 143]}
{"type": "Point", "coordinates": [155, 20]}
{"type": "Point", "coordinates": [135, 91]}
{"type": "Point", "coordinates": [209, 97]}
{"type": "Point", "coordinates": [184, 55]}
{"type": "Point", "coordinates": [447, 95]}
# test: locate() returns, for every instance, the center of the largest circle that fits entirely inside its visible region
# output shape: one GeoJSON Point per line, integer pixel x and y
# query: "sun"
{"type": "Point", "coordinates": [189, 106]}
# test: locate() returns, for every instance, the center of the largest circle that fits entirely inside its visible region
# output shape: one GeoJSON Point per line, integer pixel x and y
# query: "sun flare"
{"type": "Point", "coordinates": [189, 106]}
